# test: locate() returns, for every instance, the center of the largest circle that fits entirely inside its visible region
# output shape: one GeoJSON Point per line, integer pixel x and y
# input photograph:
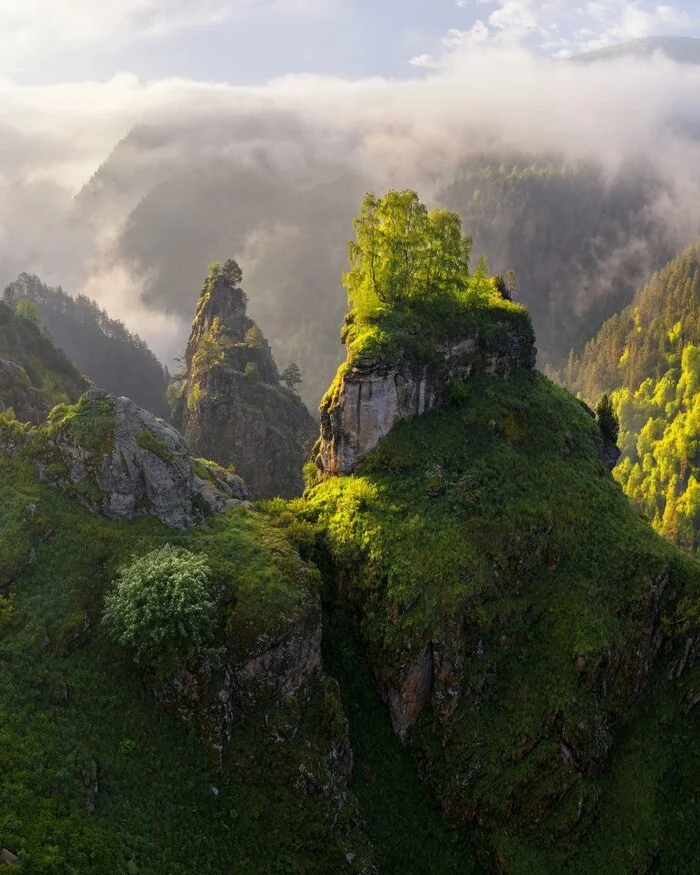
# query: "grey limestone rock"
{"type": "Point", "coordinates": [139, 466]}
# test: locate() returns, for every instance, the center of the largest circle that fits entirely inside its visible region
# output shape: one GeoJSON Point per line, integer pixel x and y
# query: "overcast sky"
{"type": "Point", "coordinates": [44, 42]}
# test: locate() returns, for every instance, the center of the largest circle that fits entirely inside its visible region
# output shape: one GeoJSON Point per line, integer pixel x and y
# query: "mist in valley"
{"type": "Point", "coordinates": [583, 179]}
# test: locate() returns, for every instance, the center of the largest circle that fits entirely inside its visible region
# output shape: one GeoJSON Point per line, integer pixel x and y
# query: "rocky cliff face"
{"type": "Point", "coordinates": [120, 461]}
{"type": "Point", "coordinates": [34, 375]}
{"type": "Point", "coordinates": [231, 405]}
{"type": "Point", "coordinates": [369, 400]}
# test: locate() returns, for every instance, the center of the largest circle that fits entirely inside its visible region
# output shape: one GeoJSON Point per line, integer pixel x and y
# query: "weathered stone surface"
{"type": "Point", "coordinates": [232, 407]}
{"type": "Point", "coordinates": [372, 399]}
{"type": "Point", "coordinates": [258, 671]}
{"type": "Point", "coordinates": [278, 663]}
{"type": "Point", "coordinates": [7, 858]}
{"type": "Point", "coordinates": [143, 468]}
{"type": "Point", "coordinates": [609, 452]}
{"type": "Point", "coordinates": [408, 698]}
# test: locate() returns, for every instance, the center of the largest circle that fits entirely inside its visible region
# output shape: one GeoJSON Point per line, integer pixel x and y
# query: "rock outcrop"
{"type": "Point", "coordinates": [231, 405]}
{"type": "Point", "coordinates": [277, 663]}
{"type": "Point", "coordinates": [34, 375]}
{"type": "Point", "coordinates": [370, 399]}
{"type": "Point", "coordinates": [515, 611]}
{"type": "Point", "coordinates": [120, 461]}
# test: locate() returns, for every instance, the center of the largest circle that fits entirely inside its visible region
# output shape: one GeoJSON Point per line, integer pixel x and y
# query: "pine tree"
{"type": "Point", "coordinates": [291, 377]}
{"type": "Point", "coordinates": [607, 419]}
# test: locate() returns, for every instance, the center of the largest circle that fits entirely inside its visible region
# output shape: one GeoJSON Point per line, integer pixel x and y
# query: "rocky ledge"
{"type": "Point", "coordinates": [371, 398]}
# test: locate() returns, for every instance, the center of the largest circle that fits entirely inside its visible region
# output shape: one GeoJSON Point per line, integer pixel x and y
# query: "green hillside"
{"type": "Point", "coordinates": [491, 534]}
{"type": "Point", "coordinates": [648, 356]}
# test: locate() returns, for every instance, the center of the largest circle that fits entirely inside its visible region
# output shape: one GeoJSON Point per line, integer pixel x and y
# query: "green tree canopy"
{"type": "Point", "coordinates": [27, 309]}
{"type": "Point", "coordinates": [232, 272]}
{"type": "Point", "coordinates": [403, 252]}
{"type": "Point", "coordinates": [607, 419]}
{"type": "Point", "coordinates": [291, 376]}
{"type": "Point", "coordinates": [254, 337]}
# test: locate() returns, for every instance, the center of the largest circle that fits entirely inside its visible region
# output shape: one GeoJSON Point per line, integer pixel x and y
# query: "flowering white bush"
{"type": "Point", "coordinates": [161, 609]}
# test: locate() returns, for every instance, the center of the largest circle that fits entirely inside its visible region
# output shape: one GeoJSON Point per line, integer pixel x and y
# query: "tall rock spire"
{"type": "Point", "coordinates": [230, 403]}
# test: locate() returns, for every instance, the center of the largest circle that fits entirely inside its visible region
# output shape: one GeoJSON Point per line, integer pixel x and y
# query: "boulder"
{"type": "Point", "coordinates": [121, 461]}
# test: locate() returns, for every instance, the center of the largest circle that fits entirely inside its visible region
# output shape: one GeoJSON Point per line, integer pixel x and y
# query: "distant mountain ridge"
{"type": "Point", "coordinates": [102, 348]}
{"type": "Point", "coordinates": [681, 49]}
{"type": "Point", "coordinates": [34, 375]}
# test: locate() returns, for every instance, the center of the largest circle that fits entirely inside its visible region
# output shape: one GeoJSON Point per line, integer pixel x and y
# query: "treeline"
{"type": "Point", "coordinates": [649, 356]}
{"type": "Point", "coordinates": [645, 339]}
{"type": "Point", "coordinates": [102, 348]}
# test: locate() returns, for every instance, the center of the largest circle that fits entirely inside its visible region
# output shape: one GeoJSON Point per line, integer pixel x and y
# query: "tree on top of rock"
{"type": "Point", "coordinates": [232, 273]}
{"type": "Point", "coordinates": [403, 252]}
{"type": "Point", "coordinates": [607, 419]}
{"type": "Point", "coordinates": [254, 337]}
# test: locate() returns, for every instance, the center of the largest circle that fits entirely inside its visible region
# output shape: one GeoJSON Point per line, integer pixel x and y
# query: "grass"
{"type": "Point", "coordinates": [490, 531]}
{"type": "Point", "coordinates": [91, 420]}
{"type": "Point", "coordinates": [148, 441]}
{"type": "Point", "coordinates": [412, 332]}
{"type": "Point", "coordinates": [96, 777]}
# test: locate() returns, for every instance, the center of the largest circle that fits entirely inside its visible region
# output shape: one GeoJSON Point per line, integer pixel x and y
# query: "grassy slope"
{"type": "Point", "coordinates": [74, 712]}
{"type": "Point", "coordinates": [478, 514]}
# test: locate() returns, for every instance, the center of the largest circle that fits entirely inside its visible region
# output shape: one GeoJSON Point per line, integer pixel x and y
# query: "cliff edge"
{"type": "Point", "coordinates": [369, 398]}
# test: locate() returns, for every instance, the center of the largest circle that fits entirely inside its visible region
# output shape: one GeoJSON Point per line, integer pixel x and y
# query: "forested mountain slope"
{"type": "Point", "coordinates": [581, 237]}
{"type": "Point", "coordinates": [102, 348]}
{"type": "Point", "coordinates": [34, 375]}
{"type": "Point", "coordinates": [580, 244]}
{"type": "Point", "coordinates": [649, 357]}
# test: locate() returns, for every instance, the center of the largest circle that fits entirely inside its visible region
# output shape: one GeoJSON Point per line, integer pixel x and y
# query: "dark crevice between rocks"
{"type": "Point", "coordinates": [409, 833]}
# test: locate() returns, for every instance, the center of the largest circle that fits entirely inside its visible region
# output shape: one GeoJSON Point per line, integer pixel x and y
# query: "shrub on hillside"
{"type": "Point", "coordinates": [161, 609]}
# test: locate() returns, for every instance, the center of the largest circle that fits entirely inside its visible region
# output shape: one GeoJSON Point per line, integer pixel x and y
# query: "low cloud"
{"type": "Point", "coordinates": [112, 232]}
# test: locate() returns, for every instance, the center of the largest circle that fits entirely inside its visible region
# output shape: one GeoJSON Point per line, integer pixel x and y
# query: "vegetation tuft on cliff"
{"type": "Point", "coordinates": [409, 285]}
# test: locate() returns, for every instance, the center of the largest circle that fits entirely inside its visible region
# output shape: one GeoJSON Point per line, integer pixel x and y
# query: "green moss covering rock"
{"type": "Point", "coordinates": [121, 461]}
{"type": "Point", "coordinates": [519, 617]}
